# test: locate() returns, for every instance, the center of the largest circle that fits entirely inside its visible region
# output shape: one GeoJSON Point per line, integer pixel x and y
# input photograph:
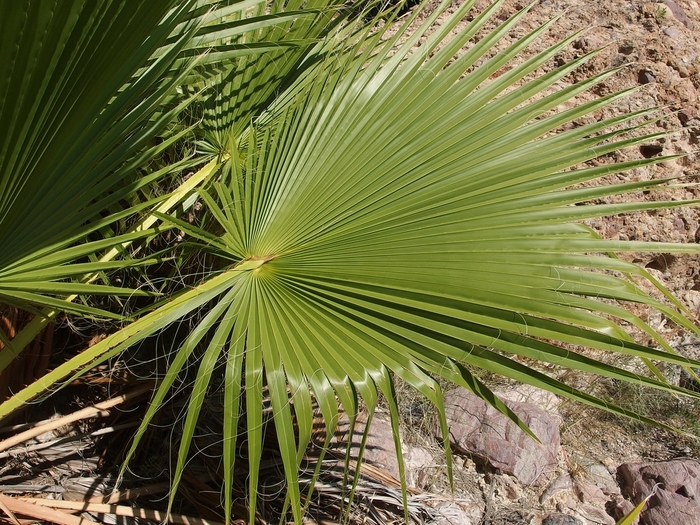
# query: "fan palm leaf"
{"type": "Point", "coordinates": [77, 120]}
{"type": "Point", "coordinates": [66, 114]}
{"type": "Point", "coordinates": [398, 213]}
{"type": "Point", "coordinates": [250, 53]}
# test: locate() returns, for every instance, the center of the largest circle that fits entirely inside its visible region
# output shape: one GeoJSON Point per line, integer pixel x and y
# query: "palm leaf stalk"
{"type": "Point", "coordinates": [400, 213]}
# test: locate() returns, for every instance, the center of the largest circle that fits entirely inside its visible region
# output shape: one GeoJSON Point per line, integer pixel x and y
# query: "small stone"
{"type": "Point", "coordinates": [680, 67]}
{"type": "Point", "coordinates": [672, 32]}
{"type": "Point", "coordinates": [625, 48]}
{"type": "Point", "coordinates": [589, 492]}
{"type": "Point", "coordinates": [513, 491]}
{"type": "Point", "coordinates": [560, 519]}
{"type": "Point", "coordinates": [452, 513]}
{"type": "Point", "coordinates": [621, 508]}
{"type": "Point", "coordinates": [645, 77]}
{"type": "Point", "coordinates": [559, 485]}
{"type": "Point", "coordinates": [685, 115]}
{"type": "Point", "coordinates": [597, 473]}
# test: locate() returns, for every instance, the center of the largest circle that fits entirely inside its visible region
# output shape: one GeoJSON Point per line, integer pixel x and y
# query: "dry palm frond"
{"type": "Point", "coordinates": [377, 499]}
{"type": "Point", "coordinates": [51, 459]}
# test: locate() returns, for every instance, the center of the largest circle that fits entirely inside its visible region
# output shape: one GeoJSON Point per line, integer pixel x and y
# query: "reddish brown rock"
{"type": "Point", "coordinates": [478, 429]}
{"type": "Point", "coordinates": [677, 497]}
{"type": "Point", "coordinates": [621, 508]}
{"type": "Point", "coordinates": [589, 492]}
{"type": "Point", "coordinates": [562, 483]}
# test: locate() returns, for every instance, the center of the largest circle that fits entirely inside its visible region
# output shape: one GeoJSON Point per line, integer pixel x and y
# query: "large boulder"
{"type": "Point", "coordinates": [478, 429]}
{"type": "Point", "coordinates": [677, 497]}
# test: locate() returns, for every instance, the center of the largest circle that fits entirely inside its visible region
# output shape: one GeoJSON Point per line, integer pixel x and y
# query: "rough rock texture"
{"type": "Point", "coordinates": [621, 508]}
{"type": "Point", "coordinates": [589, 492]}
{"type": "Point", "coordinates": [593, 515]}
{"type": "Point", "coordinates": [547, 401]}
{"type": "Point", "coordinates": [559, 491]}
{"type": "Point", "coordinates": [480, 430]}
{"type": "Point", "coordinates": [560, 519]}
{"type": "Point", "coordinates": [379, 450]}
{"type": "Point", "coordinates": [679, 13]}
{"type": "Point", "coordinates": [597, 473]}
{"type": "Point", "coordinates": [677, 497]}
{"type": "Point", "coordinates": [453, 513]}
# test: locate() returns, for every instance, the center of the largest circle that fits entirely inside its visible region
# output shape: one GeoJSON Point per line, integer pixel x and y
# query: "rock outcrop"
{"type": "Point", "coordinates": [478, 429]}
{"type": "Point", "coordinates": [675, 485]}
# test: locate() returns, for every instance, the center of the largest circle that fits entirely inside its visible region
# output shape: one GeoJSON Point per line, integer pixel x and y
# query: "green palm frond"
{"type": "Point", "coordinates": [400, 213]}
{"type": "Point", "coordinates": [79, 112]}
{"type": "Point", "coordinates": [251, 50]}
{"type": "Point", "coordinates": [65, 113]}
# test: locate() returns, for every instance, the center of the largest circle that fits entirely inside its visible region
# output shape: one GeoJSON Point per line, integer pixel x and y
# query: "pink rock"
{"type": "Point", "coordinates": [677, 497]}
{"type": "Point", "coordinates": [480, 430]}
{"type": "Point", "coordinates": [589, 492]}
{"type": "Point", "coordinates": [380, 451]}
{"type": "Point", "coordinates": [594, 514]}
{"type": "Point", "coordinates": [679, 14]}
{"type": "Point", "coordinates": [622, 508]}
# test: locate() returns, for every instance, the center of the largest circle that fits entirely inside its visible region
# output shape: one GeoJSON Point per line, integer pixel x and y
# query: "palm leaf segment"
{"type": "Point", "coordinates": [250, 50]}
{"type": "Point", "coordinates": [66, 130]}
{"type": "Point", "coordinates": [396, 216]}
